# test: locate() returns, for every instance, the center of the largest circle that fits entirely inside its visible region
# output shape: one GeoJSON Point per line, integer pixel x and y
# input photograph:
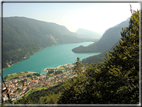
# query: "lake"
{"type": "Point", "coordinates": [50, 57]}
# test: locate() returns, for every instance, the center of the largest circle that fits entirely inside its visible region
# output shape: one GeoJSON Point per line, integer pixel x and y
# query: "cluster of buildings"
{"type": "Point", "coordinates": [23, 84]}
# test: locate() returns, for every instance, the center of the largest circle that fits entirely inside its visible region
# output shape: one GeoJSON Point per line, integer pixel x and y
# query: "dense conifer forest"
{"type": "Point", "coordinates": [114, 81]}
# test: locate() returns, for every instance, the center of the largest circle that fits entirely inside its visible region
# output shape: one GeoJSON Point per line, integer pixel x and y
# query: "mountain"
{"type": "Point", "coordinates": [109, 38]}
{"type": "Point", "coordinates": [98, 58]}
{"type": "Point", "coordinates": [23, 37]}
{"type": "Point", "coordinates": [83, 33]}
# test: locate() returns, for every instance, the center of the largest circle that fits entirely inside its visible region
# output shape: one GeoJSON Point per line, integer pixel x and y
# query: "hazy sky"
{"type": "Point", "coordinates": [96, 17]}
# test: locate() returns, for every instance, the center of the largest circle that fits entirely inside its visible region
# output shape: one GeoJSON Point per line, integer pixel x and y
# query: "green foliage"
{"type": "Point", "coordinates": [51, 99]}
{"type": "Point", "coordinates": [78, 66]}
{"type": "Point", "coordinates": [43, 96]}
{"type": "Point", "coordinates": [22, 82]}
{"type": "Point", "coordinates": [36, 74]}
{"type": "Point", "coordinates": [114, 81]}
{"type": "Point", "coordinates": [16, 75]}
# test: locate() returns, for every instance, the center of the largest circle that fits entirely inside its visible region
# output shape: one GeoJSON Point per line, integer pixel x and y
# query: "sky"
{"type": "Point", "coordinates": [96, 17]}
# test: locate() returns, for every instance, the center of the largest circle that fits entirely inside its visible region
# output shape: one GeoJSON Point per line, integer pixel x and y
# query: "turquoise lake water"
{"type": "Point", "coordinates": [50, 57]}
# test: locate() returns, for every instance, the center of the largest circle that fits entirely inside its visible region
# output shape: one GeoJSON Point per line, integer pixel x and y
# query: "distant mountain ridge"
{"type": "Point", "coordinates": [109, 38]}
{"type": "Point", "coordinates": [87, 34]}
{"type": "Point", "coordinates": [23, 36]}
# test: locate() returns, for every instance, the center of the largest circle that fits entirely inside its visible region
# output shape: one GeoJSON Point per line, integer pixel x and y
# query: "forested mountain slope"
{"type": "Point", "coordinates": [24, 36]}
{"type": "Point", "coordinates": [109, 38]}
{"type": "Point", "coordinates": [114, 81]}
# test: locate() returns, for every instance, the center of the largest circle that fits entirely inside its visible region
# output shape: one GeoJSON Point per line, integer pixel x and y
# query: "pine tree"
{"type": "Point", "coordinates": [78, 66]}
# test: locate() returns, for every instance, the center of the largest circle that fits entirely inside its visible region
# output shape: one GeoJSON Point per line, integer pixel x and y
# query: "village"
{"type": "Point", "coordinates": [18, 87]}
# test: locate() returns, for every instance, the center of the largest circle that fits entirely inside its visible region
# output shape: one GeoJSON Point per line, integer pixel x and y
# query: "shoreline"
{"type": "Point", "coordinates": [27, 57]}
{"type": "Point", "coordinates": [21, 73]}
{"type": "Point", "coordinates": [57, 66]}
{"type": "Point", "coordinates": [39, 72]}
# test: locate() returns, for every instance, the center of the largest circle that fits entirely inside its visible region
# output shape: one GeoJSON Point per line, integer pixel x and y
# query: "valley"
{"type": "Point", "coordinates": [45, 63]}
